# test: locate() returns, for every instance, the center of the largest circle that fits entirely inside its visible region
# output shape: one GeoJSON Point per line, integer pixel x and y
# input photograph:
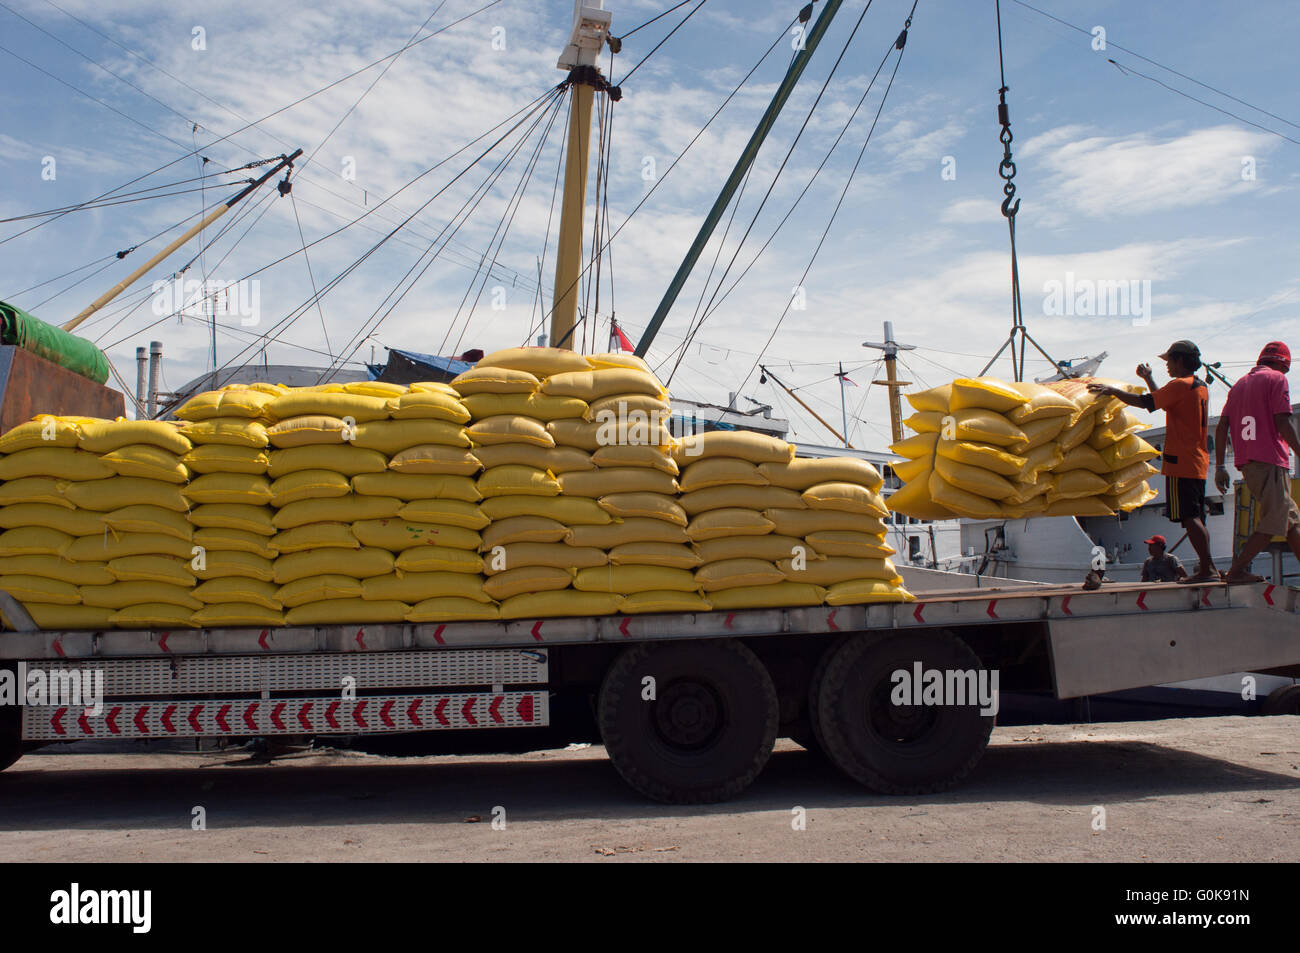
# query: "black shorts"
{"type": "Point", "coordinates": [1185, 498]}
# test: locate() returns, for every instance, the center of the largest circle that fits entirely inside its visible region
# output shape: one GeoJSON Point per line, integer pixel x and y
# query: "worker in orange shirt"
{"type": "Point", "coordinates": [1185, 461]}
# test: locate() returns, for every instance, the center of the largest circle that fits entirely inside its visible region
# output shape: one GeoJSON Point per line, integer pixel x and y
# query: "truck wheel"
{"type": "Point", "coordinates": [811, 740]}
{"type": "Point", "coordinates": [898, 749]}
{"type": "Point", "coordinates": [1282, 701]}
{"type": "Point", "coordinates": [709, 729]}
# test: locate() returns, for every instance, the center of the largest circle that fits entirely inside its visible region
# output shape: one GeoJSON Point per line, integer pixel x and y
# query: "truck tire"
{"type": "Point", "coordinates": [898, 749]}
{"type": "Point", "coordinates": [707, 733]}
{"type": "Point", "coordinates": [812, 739]}
{"type": "Point", "coordinates": [1282, 701]}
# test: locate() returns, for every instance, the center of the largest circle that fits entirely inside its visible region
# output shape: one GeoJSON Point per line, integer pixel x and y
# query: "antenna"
{"type": "Point", "coordinates": [891, 349]}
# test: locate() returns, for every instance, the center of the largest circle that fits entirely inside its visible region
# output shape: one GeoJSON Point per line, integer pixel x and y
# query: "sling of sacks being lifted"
{"type": "Point", "coordinates": [987, 449]}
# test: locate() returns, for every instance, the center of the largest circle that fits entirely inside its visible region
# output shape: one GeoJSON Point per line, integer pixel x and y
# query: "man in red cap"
{"type": "Point", "coordinates": [1161, 566]}
{"type": "Point", "coordinates": [1257, 418]}
{"type": "Point", "coordinates": [1185, 461]}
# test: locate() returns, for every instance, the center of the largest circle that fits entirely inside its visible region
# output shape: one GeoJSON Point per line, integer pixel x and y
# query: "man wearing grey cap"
{"type": "Point", "coordinates": [1185, 460]}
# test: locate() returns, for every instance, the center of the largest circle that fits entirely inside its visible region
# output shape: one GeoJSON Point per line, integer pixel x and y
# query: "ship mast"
{"type": "Point", "coordinates": [590, 31]}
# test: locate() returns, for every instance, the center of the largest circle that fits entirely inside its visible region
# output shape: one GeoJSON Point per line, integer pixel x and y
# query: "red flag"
{"type": "Point", "coordinates": [618, 341]}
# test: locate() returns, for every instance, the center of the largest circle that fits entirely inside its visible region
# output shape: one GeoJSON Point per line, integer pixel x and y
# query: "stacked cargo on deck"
{"type": "Point", "coordinates": [987, 449]}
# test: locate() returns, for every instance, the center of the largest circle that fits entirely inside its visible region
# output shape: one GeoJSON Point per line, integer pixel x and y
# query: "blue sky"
{"type": "Point", "coordinates": [1120, 179]}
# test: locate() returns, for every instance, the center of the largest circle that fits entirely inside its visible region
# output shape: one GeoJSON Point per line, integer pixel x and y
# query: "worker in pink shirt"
{"type": "Point", "coordinates": [1257, 417]}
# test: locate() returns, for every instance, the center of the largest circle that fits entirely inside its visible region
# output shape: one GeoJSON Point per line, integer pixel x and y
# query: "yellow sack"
{"type": "Point", "coordinates": [27, 589]}
{"type": "Point", "coordinates": [800, 474]}
{"type": "Point", "coordinates": [733, 573]}
{"type": "Point", "coordinates": [166, 569]}
{"type": "Point", "coordinates": [986, 426]}
{"type": "Point", "coordinates": [72, 522]}
{"type": "Point", "coordinates": [743, 444]}
{"type": "Point", "coordinates": [374, 389]}
{"type": "Point", "coordinates": [222, 537]}
{"type": "Point", "coordinates": [153, 615]}
{"type": "Point", "coordinates": [44, 430]}
{"type": "Point", "coordinates": [663, 601]}
{"type": "Point", "coordinates": [1040, 460]}
{"type": "Point", "coordinates": [494, 380]}
{"type": "Point", "coordinates": [236, 615]}
{"type": "Point", "coordinates": [358, 563]}
{"type": "Point", "coordinates": [108, 435]}
{"type": "Point", "coordinates": [555, 555]}
{"type": "Point", "coordinates": [609, 432]}
{"type": "Point", "coordinates": [235, 402]}
{"type": "Point", "coordinates": [617, 359]}
{"type": "Point", "coordinates": [722, 471]}
{"type": "Point", "coordinates": [907, 470]}
{"type": "Point", "coordinates": [631, 455]}
{"type": "Point", "coordinates": [913, 499]}
{"type": "Point", "coordinates": [802, 522]}
{"type": "Point", "coordinates": [627, 579]}
{"type": "Point", "coordinates": [541, 362]}
{"type": "Point", "coordinates": [1040, 432]}
{"type": "Point", "coordinates": [221, 563]}
{"type": "Point", "coordinates": [1026, 490]}
{"type": "Point", "coordinates": [979, 455]}
{"type": "Point", "coordinates": [229, 488]}
{"type": "Point", "coordinates": [516, 582]}
{"type": "Point", "coordinates": [1083, 457]}
{"type": "Point", "coordinates": [146, 460]}
{"type": "Point", "coordinates": [433, 458]}
{"type": "Point", "coordinates": [975, 480]}
{"type": "Point", "coordinates": [984, 393]}
{"type": "Point", "coordinates": [309, 430]}
{"type": "Point", "coordinates": [417, 486]}
{"type": "Point", "coordinates": [434, 387]}
{"type": "Point", "coordinates": [769, 597]}
{"type": "Point", "coordinates": [636, 530]}
{"type": "Point", "coordinates": [1042, 403]}
{"type": "Point", "coordinates": [34, 490]}
{"type": "Point", "coordinates": [68, 617]}
{"type": "Point", "coordinates": [865, 591]}
{"type": "Point", "coordinates": [250, 519]}
{"type": "Point", "coordinates": [770, 547]}
{"type": "Point", "coordinates": [314, 536]}
{"type": "Point", "coordinates": [437, 559]}
{"type": "Point", "coordinates": [604, 382]}
{"type": "Point", "coordinates": [527, 529]}
{"type": "Point", "coordinates": [537, 406]}
{"type": "Point", "coordinates": [431, 405]}
{"type": "Point", "coordinates": [59, 462]}
{"type": "Point", "coordinates": [745, 497]}
{"type": "Point", "coordinates": [102, 547]}
{"type": "Point", "coordinates": [1077, 433]}
{"type": "Point", "coordinates": [122, 594]}
{"type": "Point", "coordinates": [300, 402]}
{"type": "Point", "coordinates": [1115, 430]}
{"type": "Point", "coordinates": [556, 459]}
{"type": "Point", "coordinates": [836, 569]}
{"type": "Point", "coordinates": [399, 534]}
{"type": "Point", "coordinates": [1130, 499]}
{"type": "Point", "coordinates": [920, 446]}
{"type": "Point", "coordinates": [848, 543]}
{"type": "Point", "coordinates": [309, 485]}
{"type": "Point", "coordinates": [625, 405]}
{"type": "Point", "coordinates": [594, 483]}
{"type": "Point", "coordinates": [569, 510]}
{"type": "Point", "coordinates": [445, 513]}
{"type": "Point", "coordinates": [229, 431]}
{"type": "Point", "coordinates": [843, 497]}
{"type": "Point", "coordinates": [1083, 506]}
{"type": "Point", "coordinates": [507, 429]}
{"type": "Point", "coordinates": [1126, 477]}
{"type": "Point", "coordinates": [394, 436]}
{"type": "Point", "coordinates": [335, 611]}
{"type": "Point", "coordinates": [311, 589]}
{"type": "Point", "coordinates": [936, 399]}
{"type": "Point", "coordinates": [344, 509]}
{"type": "Point", "coordinates": [223, 458]}
{"type": "Point", "coordinates": [1035, 506]}
{"type": "Point", "coordinates": [238, 589]}
{"type": "Point", "coordinates": [732, 521]}
{"type": "Point", "coordinates": [347, 460]}
{"type": "Point", "coordinates": [61, 570]}
{"type": "Point", "coordinates": [1074, 484]}
{"type": "Point", "coordinates": [1132, 449]}
{"type": "Point", "coordinates": [117, 492]}
{"type": "Point", "coordinates": [565, 602]}
{"type": "Point", "coordinates": [450, 609]}
{"type": "Point", "coordinates": [960, 501]}
{"type": "Point", "coordinates": [417, 586]}
{"type": "Point", "coordinates": [650, 505]}
{"type": "Point", "coordinates": [670, 555]}
{"type": "Point", "coordinates": [513, 479]}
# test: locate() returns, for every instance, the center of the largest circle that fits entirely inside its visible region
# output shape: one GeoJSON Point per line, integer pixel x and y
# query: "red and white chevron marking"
{"type": "Point", "coordinates": [288, 716]}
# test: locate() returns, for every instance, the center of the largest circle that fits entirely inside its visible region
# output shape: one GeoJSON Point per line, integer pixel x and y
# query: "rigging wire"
{"type": "Point", "coordinates": [653, 19]}
{"type": "Point", "coordinates": [655, 49]}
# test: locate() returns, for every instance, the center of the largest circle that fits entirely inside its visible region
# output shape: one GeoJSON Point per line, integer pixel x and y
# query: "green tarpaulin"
{"type": "Point", "coordinates": [54, 344]}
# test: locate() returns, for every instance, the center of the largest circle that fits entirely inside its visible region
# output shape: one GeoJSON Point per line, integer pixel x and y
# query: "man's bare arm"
{"type": "Point", "coordinates": [1286, 427]}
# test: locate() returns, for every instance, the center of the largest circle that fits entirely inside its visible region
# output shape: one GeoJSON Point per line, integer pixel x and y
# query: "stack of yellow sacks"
{"type": "Point", "coordinates": [987, 449]}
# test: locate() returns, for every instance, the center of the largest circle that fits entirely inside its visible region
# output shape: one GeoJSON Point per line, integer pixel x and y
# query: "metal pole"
{"type": "Point", "coordinates": [844, 410]}
{"type": "Point", "coordinates": [155, 371]}
{"type": "Point", "coordinates": [738, 173]}
{"type": "Point", "coordinates": [800, 402]}
{"type": "Point", "coordinates": [141, 394]}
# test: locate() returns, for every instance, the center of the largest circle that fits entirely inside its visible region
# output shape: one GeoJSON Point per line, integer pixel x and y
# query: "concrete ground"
{"type": "Point", "coordinates": [1209, 789]}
